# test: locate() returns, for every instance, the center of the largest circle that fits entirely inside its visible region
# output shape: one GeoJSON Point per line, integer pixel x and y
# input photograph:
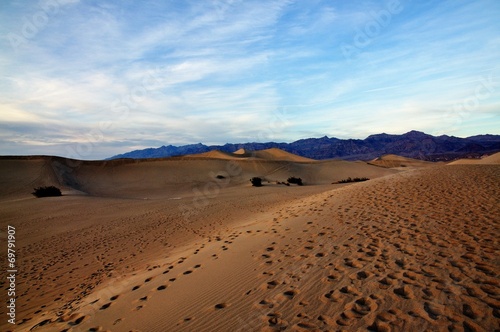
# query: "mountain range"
{"type": "Point", "coordinates": [413, 144]}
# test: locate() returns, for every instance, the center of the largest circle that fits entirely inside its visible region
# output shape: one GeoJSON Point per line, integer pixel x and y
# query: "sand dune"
{"type": "Point", "coordinates": [268, 154]}
{"type": "Point", "coordinates": [494, 159]}
{"type": "Point", "coordinates": [405, 251]}
{"type": "Point", "coordinates": [395, 161]}
{"type": "Point", "coordinates": [278, 154]}
{"type": "Point", "coordinates": [170, 176]}
{"type": "Point", "coordinates": [216, 154]}
{"type": "Point", "coordinates": [242, 152]}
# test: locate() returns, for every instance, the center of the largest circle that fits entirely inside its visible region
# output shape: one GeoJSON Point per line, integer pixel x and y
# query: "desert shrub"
{"type": "Point", "coordinates": [297, 181]}
{"type": "Point", "coordinates": [46, 191]}
{"type": "Point", "coordinates": [349, 179]}
{"type": "Point", "coordinates": [256, 181]}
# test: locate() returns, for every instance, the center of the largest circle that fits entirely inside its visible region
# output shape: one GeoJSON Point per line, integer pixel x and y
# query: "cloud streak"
{"type": "Point", "coordinates": [122, 76]}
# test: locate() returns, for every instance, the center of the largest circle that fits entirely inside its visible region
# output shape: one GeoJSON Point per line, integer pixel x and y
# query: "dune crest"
{"type": "Point", "coordinates": [241, 151]}
{"type": "Point", "coordinates": [494, 159]}
{"type": "Point", "coordinates": [395, 161]}
{"type": "Point", "coordinates": [267, 154]}
{"type": "Point", "coordinates": [278, 154]}
{"type": "Point", "coordinates": [215, 154]}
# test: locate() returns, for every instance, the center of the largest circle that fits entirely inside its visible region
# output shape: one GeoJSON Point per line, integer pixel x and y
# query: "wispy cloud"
{"type": "Point", "coordinates": [119, 76]}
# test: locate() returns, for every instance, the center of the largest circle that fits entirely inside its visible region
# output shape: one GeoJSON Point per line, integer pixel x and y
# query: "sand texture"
{"type": "Point", "coordinates": [412, 250]}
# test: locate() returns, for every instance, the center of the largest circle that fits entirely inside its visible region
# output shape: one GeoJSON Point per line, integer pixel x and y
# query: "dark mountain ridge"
{"type": "Point", "coordinates": [413, 144]}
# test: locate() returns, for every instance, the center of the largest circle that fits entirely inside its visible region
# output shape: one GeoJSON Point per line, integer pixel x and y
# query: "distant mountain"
{"type": "Point", "coordinates": [413, 144]}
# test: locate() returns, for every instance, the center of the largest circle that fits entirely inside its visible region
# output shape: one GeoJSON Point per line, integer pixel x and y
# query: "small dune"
{"type": "Point", "coordinates": [493, 159]}
{"type": "Point", "coordinates": [395, 161]}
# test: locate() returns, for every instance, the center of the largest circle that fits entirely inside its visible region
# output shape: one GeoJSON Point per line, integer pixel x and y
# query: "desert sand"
{"type": "Point", "coordinates": [186, 244]}
{"type": "Point", "coordinates": [494, 159]}
{"type": "Point", "coordinates": [398, 162]}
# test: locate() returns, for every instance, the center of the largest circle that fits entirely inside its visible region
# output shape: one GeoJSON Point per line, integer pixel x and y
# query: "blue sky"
{"type": "Point", "coordinates": [91, 79]}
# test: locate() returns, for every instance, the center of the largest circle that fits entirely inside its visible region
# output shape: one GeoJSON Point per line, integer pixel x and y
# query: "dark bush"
{"type": "Point", "coordinates": [349, 180]}
{"type": "Point", "coordinates": [256, 182]}
{"type": "Point", "coordinates": [46, 191]}
{"type": "Point", "coordinates": [297, 181]}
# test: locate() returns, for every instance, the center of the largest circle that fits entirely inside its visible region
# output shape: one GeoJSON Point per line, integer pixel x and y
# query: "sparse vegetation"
{"type": "Point", "coordinates": [49, 191]}
{"type": "Point", "coordinates": [294, 180]}
{"type": "Point", "coordinates": [256, 181]}
{"type": "Point", "coordinates": [349, 180]}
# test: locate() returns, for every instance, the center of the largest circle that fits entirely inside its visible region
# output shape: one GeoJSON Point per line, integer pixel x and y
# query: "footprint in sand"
{"type": "Point", "coordinates": [290, 294]}
{"type": "Point", "coordinates": [276, 321]}
{"type": "Point", "coordinates": [332, 296]}
{"type": "Point", "coordinates": [272, 284]}
{"type": "Point", "coordinates": [349, 290]}
{"type": "Point", "coordinates": [362, 306]}
{"type": "Point", "coordinates": [352, 263]}
{"type": "Point", "coordinates": [266, 303]}
{"type": "Point", "coordinates": [77, 321]}
{"type": "Point", "coordinates": [307, 326]}
{"type": "Point", "coordinates": [105, 306]}
{"type": "Point", "coordinates": [404, 292]}
{"type": "Point", "coordinates": [219, 306]}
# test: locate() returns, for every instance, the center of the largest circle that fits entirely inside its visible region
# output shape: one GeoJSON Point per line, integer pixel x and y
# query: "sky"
{"type": "Point", "coordinates": [90, 79]}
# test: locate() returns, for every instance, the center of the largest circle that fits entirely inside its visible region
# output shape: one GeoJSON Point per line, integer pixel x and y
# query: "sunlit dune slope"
{"type": "Point", "coordinates": [268, 154]}
{"type": "Point", "coordinates": [494, 159]}
{"type": "Point", "coordinates": [278, 154]}
{"type": "Point", "coordinates": [395, 161]}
